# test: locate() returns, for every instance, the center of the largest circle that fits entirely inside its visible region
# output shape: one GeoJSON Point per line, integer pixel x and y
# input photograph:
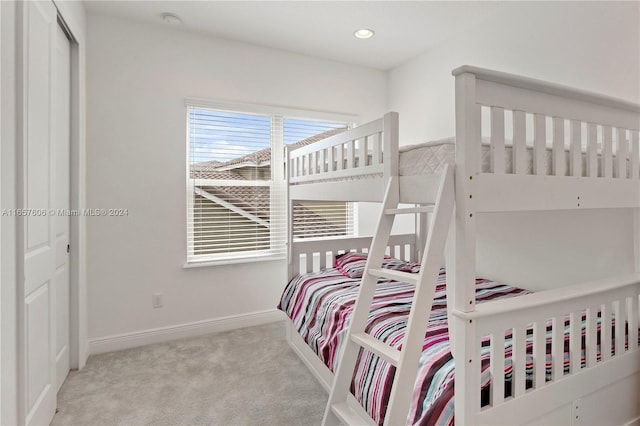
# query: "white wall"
{"type": "Point", "coordinates": [590, 45]}
{"type": "Point", "coordinates": [138, 76]}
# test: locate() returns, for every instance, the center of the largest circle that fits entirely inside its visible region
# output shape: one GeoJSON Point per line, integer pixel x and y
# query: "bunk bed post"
{"type": "Point", "coordinates": [421, 226]}
{"type": "Point", "coordinates": [292, 269]}
{"type": "Point", "coordinates": [390, 156]}
{"type": "Point", "coordinates": [461, 277]}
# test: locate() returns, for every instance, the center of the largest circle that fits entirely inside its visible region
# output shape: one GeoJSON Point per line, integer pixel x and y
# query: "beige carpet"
{"type": "Point", "coordinates": [243, 377]}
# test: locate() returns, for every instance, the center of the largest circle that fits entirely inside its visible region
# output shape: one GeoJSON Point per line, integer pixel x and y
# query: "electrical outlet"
{"type": "Point", "coordinates": [156, 300]}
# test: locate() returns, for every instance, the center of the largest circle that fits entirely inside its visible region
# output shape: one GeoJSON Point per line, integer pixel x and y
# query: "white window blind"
{"type": "Point", "coordinates": [236, 205]}
{"type": "Point", "coordinates": [320, 219]}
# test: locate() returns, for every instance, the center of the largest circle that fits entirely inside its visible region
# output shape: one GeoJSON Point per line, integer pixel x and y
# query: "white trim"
{"type": "Point", "coordinates": [533, 84]}
{"type": "Point", "coordinates": [73, 20]}
{"type": "Point", "coordinates": [180, 331]}
{"type": "Point", "coordinates": [233, 261]}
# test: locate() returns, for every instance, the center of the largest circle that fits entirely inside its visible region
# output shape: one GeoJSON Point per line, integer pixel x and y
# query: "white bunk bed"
{"type": "Point", "coordinates": [593, 162]}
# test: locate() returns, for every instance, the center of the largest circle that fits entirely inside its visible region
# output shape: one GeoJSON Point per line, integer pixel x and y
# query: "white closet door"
{"type": "Point", "coordinates": [62, 144]}
{"type": "Point", "coordinates": [38, 316]}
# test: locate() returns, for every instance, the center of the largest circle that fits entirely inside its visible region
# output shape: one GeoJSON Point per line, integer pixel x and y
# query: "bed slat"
{"type": "Point", "coordinates": [635, 155]}
{"type": "Point", "coordinates": [591, 336]}
{"type": "Point", "coordinates": [540, 353]}
{"type": "Point", "coordinates": [362, 152]}
{"type": "Point", "coordinates": [331, 159]}
{"type": "Point", "coordinates": [340, 157]}
{"type": "Point", "coordinates": [633, 322]}
{"type": "Point", "coordinates": [519, 358]}
{"type": "Point", "coordinates": [622, 149]}
{"type": "Point", "coordinates": [519, 143]}
{"type": "Point", "coordinates": [592, 150]}
{"type": "Point", "coordinates": [306, 168]}
{"type": "Point", "coordinates": [497, 368]}
{"type": "Point", "coordinates": [476, 375]}
{"type": "Point", "coordinates": [540, 145]}
{"type": "Point", "coordinates": [620, 311]}
{"type": "Point", "coordinates": [351, 154]}
{"type": "Point", "coordinates": [558, 147]}
{"type": "Point", "coordinates": [497, 140]}
{"type": "Point", "coordinates": [607, 152]}
{"type": "Point", "coordinates": [557, 349]}
{"type": "Point", "coordinates": [375, 149]}
{"type": "Point", "coordinates": [575, 163]}
{"type": "Point", "coordinates": [575, 341]}
{"type": "Point", "coordinates": [605, 332]}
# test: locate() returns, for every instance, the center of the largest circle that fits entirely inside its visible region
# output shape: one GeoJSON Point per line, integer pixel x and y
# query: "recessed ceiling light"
{"type": "Point", "coordinates": [364, 33]}
{"type": "Point", "coordinates": [171, 19]}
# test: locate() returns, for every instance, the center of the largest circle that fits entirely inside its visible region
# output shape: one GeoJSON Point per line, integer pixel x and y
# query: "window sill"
{"type": "Point", "coordinates": [240, 260]}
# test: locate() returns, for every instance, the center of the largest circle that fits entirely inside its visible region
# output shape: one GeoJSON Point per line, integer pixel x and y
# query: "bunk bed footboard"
{"type": "Point", "coordinates": [571, 356]}
{"type": "Point", "coordinates": [313, 255]}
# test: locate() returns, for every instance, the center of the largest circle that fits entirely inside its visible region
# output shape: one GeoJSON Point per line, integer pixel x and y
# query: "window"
{"type": "Point", "coordinates": [237, 206]}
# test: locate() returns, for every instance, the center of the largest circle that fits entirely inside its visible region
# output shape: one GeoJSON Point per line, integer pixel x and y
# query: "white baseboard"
{"type": "Point", "coordinates": [164, 334]}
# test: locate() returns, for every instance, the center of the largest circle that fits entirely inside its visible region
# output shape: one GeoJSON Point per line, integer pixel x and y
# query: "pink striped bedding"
{"type": "Point", "coordinates": [319, 305]}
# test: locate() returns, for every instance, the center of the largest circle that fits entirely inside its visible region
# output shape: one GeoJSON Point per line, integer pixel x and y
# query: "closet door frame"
{"type": "Point", "coordinates": [77, 233]}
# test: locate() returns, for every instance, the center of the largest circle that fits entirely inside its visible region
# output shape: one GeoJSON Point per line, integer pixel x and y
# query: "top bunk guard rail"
{"type": "Point", "coordinates": [368, 150]}
{"type": "Point", "coordinates": [549, 146]}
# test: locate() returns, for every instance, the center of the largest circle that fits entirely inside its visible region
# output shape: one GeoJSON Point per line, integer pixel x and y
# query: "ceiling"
{"type": "Point", "coordinates": [403, 29]}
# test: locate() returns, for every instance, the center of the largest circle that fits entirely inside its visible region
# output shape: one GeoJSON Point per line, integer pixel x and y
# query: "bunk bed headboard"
{"type": "Point", "coordinates": [313, 255]}
{"type": "Point", "coordinates": [592, 142]}
{"type": "Point", "coordinates": [565, 123]}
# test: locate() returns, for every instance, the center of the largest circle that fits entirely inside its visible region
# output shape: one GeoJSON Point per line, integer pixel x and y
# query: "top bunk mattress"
{"type": "Point", "coordinates": [431, 157]}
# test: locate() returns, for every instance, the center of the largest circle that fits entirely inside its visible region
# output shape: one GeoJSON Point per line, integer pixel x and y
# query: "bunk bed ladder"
{"type": "Point", "coordinates": [341, 407]}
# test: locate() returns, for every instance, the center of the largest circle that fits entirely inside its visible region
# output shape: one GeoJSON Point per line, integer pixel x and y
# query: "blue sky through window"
{"type": "Point", "coordinates": [223, 136]}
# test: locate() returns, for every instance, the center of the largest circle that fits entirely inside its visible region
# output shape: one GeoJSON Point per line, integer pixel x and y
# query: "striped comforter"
{"type": "Point", "coordinates": [320, 303]}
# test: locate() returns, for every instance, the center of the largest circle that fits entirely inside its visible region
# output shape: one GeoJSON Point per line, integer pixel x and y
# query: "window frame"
{"type": "Point", "coordinates": [275, 113]}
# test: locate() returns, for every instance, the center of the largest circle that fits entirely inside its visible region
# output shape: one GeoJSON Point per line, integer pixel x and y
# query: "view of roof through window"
{"type": "Point", "coordinates": [235, 201]}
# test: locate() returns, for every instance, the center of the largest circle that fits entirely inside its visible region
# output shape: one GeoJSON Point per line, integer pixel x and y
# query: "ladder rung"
{"type": "Point", "coordinates": [348, 416]}
{"type": "Point", "coordinates": [384, 351]}
{"type": "Point", "coordinates": [408, 210]}
{"type": "Point", "coordinates": [405, 277]}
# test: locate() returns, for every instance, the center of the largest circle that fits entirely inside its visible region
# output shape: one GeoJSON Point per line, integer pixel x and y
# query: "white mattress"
{"type": "Point", "coordinates": [430, 157]}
